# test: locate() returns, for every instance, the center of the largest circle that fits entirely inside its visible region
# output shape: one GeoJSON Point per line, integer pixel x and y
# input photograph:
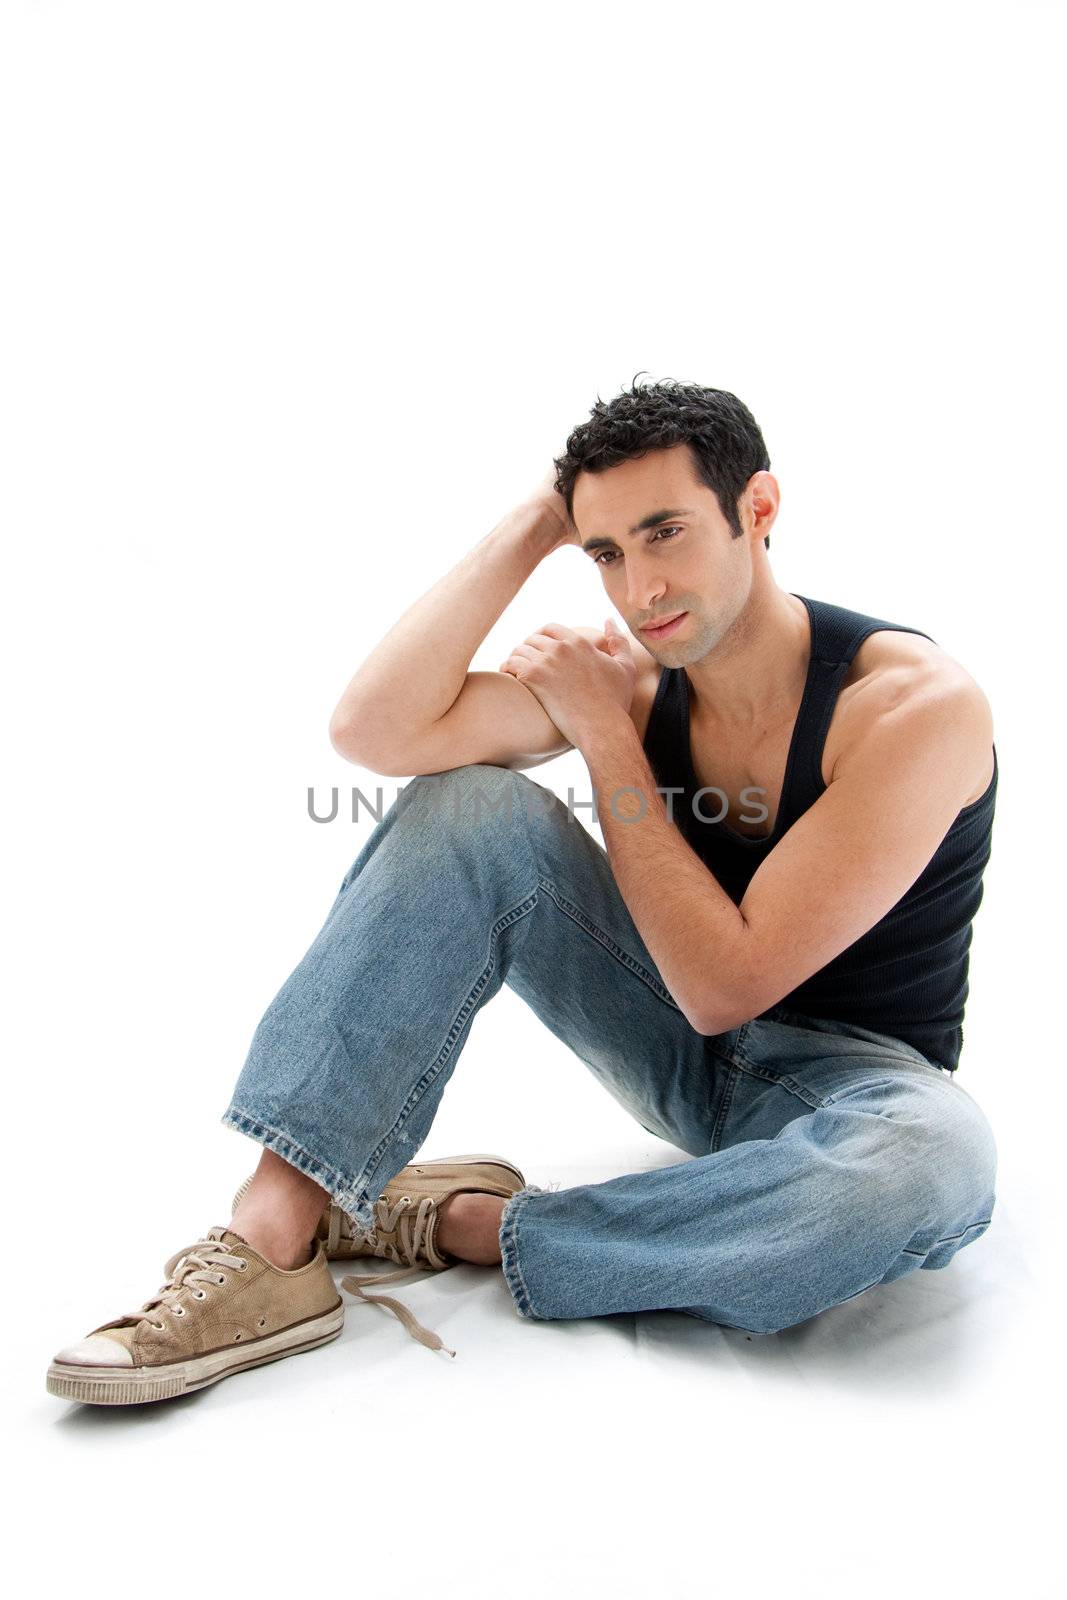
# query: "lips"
{"type": "Point", "coordinates": [662, 623]}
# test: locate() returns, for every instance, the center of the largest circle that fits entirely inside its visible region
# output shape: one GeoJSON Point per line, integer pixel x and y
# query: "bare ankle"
{"type": "Point", "coordinates": [276, 1246]}
{"type": "Point", "coordinates": [468, 1226]}
{"type": "Point", "coordinates": [279, 1213]}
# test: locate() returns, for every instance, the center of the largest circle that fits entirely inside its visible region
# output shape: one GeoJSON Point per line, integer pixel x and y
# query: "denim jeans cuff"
{"type": "Point", "coordinates": [509, 1248]}
{"type": "Point", "coordinates": [350, 1196]}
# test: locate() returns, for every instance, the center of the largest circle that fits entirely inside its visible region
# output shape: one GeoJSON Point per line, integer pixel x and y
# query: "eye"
{"type": "Point", "coordinates": [670, 530]}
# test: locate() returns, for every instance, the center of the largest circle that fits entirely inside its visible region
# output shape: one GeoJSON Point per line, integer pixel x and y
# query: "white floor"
{"type": "Point", "coordinates": [904, 1442]}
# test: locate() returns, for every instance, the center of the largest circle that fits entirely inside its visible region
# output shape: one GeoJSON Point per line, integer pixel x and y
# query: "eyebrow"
{"type": "Point", "coordinates": [653, 520]}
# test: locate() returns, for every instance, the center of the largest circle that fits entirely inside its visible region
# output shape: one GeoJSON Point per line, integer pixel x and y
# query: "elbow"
{"type": "Point", "coordinates": [340, 734]}
{"type": "Point", "coordinates": [719, 1014]}
{"type": "Point", "coordinates": [700, 1016]}
{"type": "Point", "coordinates": [710, 1025]}
{"type": "Point", "coordinates": [721, 1022]}
{"type": "Point", "coordinates": [354, 742]}
{"type": "Point", "coordinates": [348, 736]}
{"type": "Point", "coordinates": [352, 726]}
{"type": "Point", "coordinates": [742, 995]}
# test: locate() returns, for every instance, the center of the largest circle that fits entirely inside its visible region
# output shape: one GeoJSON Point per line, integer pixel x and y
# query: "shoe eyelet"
{"type": "Point", "coordinates": [221, 1278]}
{"type": "Point", "coordinates": [237, 1336]}
{"type": "Point", "coordinates": [200, 1293]}
{"type": "Point", "coordinates": [242, 1264]}
{"type": "Point", "coordinates": [263, 1322]}
{"type": "Point", "coordinates": [179, 1311]}
{"type": "Point", "coordinates": [158, 1327]}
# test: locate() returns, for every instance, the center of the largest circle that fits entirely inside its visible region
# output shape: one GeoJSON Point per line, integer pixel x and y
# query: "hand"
{"type": "Point", "coordinates": [547, 498]}
{"type": "Point", "coordinates": [581, 682]}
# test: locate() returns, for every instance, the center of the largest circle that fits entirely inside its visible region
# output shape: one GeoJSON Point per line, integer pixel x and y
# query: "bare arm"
{"type": "Point", "coordinates": [413, 705]}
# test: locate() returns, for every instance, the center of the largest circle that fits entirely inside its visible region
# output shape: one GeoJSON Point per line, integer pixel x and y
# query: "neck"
{"type": "Point", "coordinates": [756, 672]}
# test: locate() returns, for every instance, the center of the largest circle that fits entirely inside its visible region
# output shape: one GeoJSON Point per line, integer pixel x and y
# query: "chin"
{"type": "Point", "coordinates": [684, 656]}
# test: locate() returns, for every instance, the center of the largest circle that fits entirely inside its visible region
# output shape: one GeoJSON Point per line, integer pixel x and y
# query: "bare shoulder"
{"type": "Point", "coordinates": [893, 669]}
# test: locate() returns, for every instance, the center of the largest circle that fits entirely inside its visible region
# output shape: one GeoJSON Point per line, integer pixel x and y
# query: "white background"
{"type": "Point", "coordinates": [300, 300]}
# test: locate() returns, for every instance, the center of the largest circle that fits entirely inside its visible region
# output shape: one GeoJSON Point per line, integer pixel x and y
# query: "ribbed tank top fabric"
{"type": "Point", "coordinates": [907, 976]}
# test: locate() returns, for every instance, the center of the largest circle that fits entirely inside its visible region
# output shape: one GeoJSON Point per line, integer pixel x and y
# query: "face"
{"type": "Point", "coordinates": [684, 561]}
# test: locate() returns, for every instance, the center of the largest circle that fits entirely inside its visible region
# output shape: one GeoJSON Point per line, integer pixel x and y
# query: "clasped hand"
{"type": "Point", "coordinates": [581, 682]}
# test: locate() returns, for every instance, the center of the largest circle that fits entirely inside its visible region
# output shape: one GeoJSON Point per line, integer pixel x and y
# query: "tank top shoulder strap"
{"type": "Point", "coordinates": [667, 733]}
{"type": "Point", "coordinates": [836, 635]}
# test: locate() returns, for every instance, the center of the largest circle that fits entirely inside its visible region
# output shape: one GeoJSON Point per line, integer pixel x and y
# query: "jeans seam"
{"type": "Point", "coordinates": [894, 1049]}
{"type": "Point", "coordinates": [856, 1088]}
{"type": "Point", "coordinates": [950, 1239]}
{"type": "Point", "coordinates": [351, 1195]}
{"type": "Point", "coordinates": [459, 1022]}
{"type": "Point", "coordinates": [576, 914]}
{"type": "Point", "coordinates": [724, 1108]}
{"type": "Point", "coordinates": [782, 1081]}
{"type": "Point", "coordinates": [794, 1087]}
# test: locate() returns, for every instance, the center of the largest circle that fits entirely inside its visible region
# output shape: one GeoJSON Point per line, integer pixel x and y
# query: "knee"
{"type": "Point", "coordinates": [477, 795]}
{"type": "Point", "coordinates": [465, 784]}
{"type": "Point", "coordinates": [943, 1155]}
{"type": "Point", "coordinates": [964, 1148]}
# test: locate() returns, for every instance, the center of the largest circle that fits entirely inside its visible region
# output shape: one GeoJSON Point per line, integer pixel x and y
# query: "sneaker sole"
{"type": "Point", "coordinates": [130, 1386]}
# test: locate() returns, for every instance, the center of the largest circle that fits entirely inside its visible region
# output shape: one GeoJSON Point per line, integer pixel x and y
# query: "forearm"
{"type": "Point", "coordinates": [412, 677]}
{"type": "Point", "coordinates": [694, 932]}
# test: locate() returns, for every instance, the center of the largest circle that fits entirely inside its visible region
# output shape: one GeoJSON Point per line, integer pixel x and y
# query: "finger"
{"type": "Point", "coordinates": [535, 647]}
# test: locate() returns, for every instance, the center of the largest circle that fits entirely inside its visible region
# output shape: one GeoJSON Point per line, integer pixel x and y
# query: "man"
{"type": "Point", "coordinates": [767, 965]}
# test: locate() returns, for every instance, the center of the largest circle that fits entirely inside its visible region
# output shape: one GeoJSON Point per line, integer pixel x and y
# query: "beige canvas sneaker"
{"type": "Point", "coordinates": [406, 1229]}
{"type": "Point", "coordinates": [223, 1308]}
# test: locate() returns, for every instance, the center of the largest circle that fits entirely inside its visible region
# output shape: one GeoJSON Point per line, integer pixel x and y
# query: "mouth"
{"type": "Point", "coordinates": [664, 629]}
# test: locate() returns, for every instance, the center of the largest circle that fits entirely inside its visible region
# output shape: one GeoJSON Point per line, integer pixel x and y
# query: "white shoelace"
{"type": "Point", "coordinates": [399, 1235]}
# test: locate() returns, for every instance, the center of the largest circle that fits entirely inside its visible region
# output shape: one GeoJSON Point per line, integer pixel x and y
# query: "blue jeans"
{"type": "Point", "coordinates": [824, 1158]}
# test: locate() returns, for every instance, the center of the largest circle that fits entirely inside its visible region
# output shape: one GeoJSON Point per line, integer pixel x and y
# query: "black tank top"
{"type": "Point", "coordinates": [907, 976]}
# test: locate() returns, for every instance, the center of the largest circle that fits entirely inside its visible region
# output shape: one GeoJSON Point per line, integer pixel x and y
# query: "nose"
{"type": "Point", "coordinates": [643, 588]}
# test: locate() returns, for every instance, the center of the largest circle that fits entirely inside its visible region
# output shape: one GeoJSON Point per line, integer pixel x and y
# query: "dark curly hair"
{"type": "Point", "coordinates": [719, 429]}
